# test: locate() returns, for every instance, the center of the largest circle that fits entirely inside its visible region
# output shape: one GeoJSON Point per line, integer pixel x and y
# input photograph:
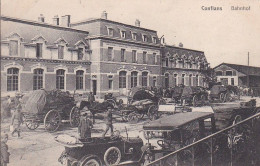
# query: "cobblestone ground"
{"type": "Point", "coordinates": [38, 148]}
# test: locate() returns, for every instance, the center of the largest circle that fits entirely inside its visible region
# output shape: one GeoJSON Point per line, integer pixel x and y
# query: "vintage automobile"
{"type": "Point", "coordinates": [50, 108]}
{"type": "Point", "coordinates": [223, 93]}
{"type": "Point", "coordinates": [140, 102]}
{"type": "Point", "coordinates": [194, 95]}
{"type": "Point", "coordinates": [99, 151]}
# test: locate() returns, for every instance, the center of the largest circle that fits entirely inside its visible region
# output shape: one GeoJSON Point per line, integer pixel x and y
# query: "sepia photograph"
{"type": "Point", "coordinates": [130, 82]}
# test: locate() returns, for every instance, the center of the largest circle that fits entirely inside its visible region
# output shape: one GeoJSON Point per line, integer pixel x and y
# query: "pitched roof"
{"type": "Point", "coordinates": [247, 70]}
{"type": "Point", "coordinates": [29, 30]}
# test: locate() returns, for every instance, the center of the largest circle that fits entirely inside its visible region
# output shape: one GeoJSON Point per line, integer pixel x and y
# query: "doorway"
{"type": "Point", "coordinates": [94, 87]}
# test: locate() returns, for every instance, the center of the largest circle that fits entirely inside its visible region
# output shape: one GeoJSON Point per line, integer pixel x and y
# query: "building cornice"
{"type": "Point", "coordinates": [180, 69]}
{"type": "Point", "coordinates": [182, 48]}
{"type": "Point", "coordinates": [44, 60]}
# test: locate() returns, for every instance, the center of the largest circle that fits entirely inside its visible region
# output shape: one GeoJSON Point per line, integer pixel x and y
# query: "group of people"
{"type": "Point", "coordinates": [85, 124]}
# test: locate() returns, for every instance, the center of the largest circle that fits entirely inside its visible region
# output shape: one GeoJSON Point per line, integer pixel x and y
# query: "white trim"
{"type": "Point", "coordinates": [63, 67]}
{"type": "Point", "coordinates": [37, 38]}
{"type": "Point", "coordinates": [13, 65]}
{"type": "Point", "coordinates": [59, 40]}
{"type": "Point", "coordinates": [80, 68]}
{"type": "Point", "coordinates": [79, 42]}
{"type": "Point", "coordinates": [12, 34]}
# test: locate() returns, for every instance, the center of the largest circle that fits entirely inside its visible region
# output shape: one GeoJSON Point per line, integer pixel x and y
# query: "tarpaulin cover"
{"type": "Point", "coordinates": [34, 102]}
{"type": "Point", "coordinates": [143, 94]}
{"type": "Point", "coordinates": [176, 121]}
{"type": "Point", "coordinates": [216, 89]}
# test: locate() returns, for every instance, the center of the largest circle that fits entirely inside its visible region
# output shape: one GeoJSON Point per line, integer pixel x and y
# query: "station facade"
{"type": "Point", "coordinates": [97, 55]}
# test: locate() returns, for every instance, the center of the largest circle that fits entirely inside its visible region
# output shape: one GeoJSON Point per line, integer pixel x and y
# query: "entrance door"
{"type": "Point", "coordinates": [94, 87]}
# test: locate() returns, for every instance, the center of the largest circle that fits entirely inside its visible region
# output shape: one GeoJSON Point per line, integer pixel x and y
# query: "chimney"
{"type": "Point", "coordinates": [137, 23]}
{"type": "Point", "coordinates": [104, 15]}
{"type": "Point", "coordinates": [41, 18]}
{"type": "Point", "coordinates": [65, 21]}
{"type": "Point", "coordinates": [180, 44]}
{"type": "Point", "coordinates": [56, 20]}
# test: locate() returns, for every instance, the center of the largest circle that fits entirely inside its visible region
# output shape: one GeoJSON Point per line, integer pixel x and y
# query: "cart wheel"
{"type": "Point", "coordinates": [52, 121]}
{"type": "Point", "coordinates": [90, 160]}
{"type": "Point", "coordinates": [74, 116]}
{"type": "Point", "coordinates": [153, 112]}
{"type": "Point", "coordinates": [222, 97]}
{"type": "Point", "coordinates": [195, 101]}
{"type": "Point", "coordinates": [112, 156]}
{"type": "Point", "coordinates": [227, 97]}
{"type": "Point", "coordinates": [124, 116]}
{"type": "Point", "coordinates": [112, 102]}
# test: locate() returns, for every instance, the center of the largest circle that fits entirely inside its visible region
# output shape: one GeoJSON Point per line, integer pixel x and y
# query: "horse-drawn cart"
{"type": "Point", "coordinates": [50, 108]}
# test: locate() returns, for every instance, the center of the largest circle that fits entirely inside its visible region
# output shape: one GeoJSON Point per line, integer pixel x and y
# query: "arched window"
{"type": "Point", "coordinates": [133, 79]}
{"type": "Point", "coordinates": [12, 79]}
{"type": "Point", "coordinates": [166, 80]}
{"type": "Point", "coordinates": [190, 78]}
{"type": "Point", "coordinates": [122, 79]}
{"type": "Point", "coordinates": [144, 78]}
{"type": "Point", "coordinates": [37, 79]}
{"type": "Point", "coordinates": [175, 79]}
{"type": "Point", "coordinates": [60, 78]}
{"type": "Point", "coordinates": [79, 79]}
{"type": "Point", "coordinates": [182, 79]}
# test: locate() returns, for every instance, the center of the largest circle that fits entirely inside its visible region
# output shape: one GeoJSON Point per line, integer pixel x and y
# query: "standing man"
{"type": "Point", "coordinates": [4, 150]}
{"type": "Point", "coordinates": [85, 125]}
{"type": "Point", "coordinates": [108, 120]}
{"type": "Point", "coordinates": [17, 120]}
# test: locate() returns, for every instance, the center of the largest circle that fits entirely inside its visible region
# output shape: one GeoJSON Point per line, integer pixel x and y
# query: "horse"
{"type": "Point", "coordinates": [95, 107]}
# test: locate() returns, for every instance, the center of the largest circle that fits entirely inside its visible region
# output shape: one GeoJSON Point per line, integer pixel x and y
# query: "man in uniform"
{"type": "Point", "coordinates": [108, 120]}
{"type": "Point", "coordinates": [85, 125]}
{"type": "Point", "coordinates": [17, 120]}
{"type": "Point", "coordinates": [4, 150]}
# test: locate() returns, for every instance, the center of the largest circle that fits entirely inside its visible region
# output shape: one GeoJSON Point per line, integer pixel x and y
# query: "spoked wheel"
{"type": "Point", "coordinates": [112, 156]}
{"type": "Point", "coordinates": [74, 116]}
{"type": "Point", "coordinates": [52, 120]}
{"type": "Point", "coordinates": [222, 97]}
{"type": "Point", "coordinates": [195, 101]}
{"type": "Point", "coordinates": [153, 112]}
{"type": "Point", "coordinates": [90, 160]}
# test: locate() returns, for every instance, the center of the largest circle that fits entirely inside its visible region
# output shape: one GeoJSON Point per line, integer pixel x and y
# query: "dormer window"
{"type": "Point", "coordinates": [123, 34]}
{"type": "Point", "coordinates": [154, 40]}
{"type": "Point", "coordinates": [145, 38]}
{"type": "Point", "coordinates": [134, 36]}
{"type": "Point", "coordinates": [60, 52]}
{"type": "Point", "coordinates": [80, 53]}
{"type": "Point", "coordinates": [110, 32]}
{"type": "Point", "coordinates": [13, 46]}
{"type": "Point", "coordinates": [38, 50]}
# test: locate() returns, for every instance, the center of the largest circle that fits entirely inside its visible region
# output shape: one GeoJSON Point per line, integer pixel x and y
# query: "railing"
{"type": "Point", "coordinates": [238, 144]}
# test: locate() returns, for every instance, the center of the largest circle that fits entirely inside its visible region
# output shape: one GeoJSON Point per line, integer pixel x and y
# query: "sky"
{"type": "Point", "coordinates": [225, 36]}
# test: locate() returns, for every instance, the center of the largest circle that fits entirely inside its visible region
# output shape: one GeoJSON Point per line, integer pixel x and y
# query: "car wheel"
{"type": "Point", "coordinates": [112, 156]}
{"type": "Point", "coordinates": [90, 160]}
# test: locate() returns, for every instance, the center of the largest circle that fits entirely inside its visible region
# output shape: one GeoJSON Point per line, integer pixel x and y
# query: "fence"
{"type": "Point", "coordinates": [237, 145]}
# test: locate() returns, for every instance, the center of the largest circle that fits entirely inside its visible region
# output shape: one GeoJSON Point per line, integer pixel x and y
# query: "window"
{"type": "Point", "coordinates": [133, 79]}
{"type": "Point", "coordinates": [144, 79]}
{"type": "Point", "coordinates": [60, 77]}
{"type": "Point", "coordinates": [232, 81]}
{"type": "Point", "coordinates": [110, 53]}
{"type": "Point", "coordinates": [145, 38]}
{"type": "Point", "coordinates": [122, 55]}
{"type": "Point", "coordinates": [190, 78]}
{"type": "Point", "coordinates": [122, 79]}
{"type": "Point", "coordinates": [166, 62]}
{"type": "Point", "coordinates": [219, 73]}
{"type": "Point", "coordinates": [12, 79]}
{"type": "Point", "coordinates": [60, 52]}
{"type": "Point", "coordinates": [182, 79]}
{"type": "Point", "coordinates": [134, 58]}
{"type": "Point", "coordinates": [110, 32]}
{"type": "Point", "coordinates": [37, 79]}
{"type": "Point", "coordinates": [196, 83]}
{"type": "Point", "coordinates": [175, 79]}
{"type": "Point", "coordinates": [154, 40]}
{"type": "Point", "coordinates": [229, 73]}
{"type": "Point", "coordinates": [134, 36]}
{"type": "Point", "coordinates": [166, 80]}
{"type": "Point", "coordinates": [13, 46]}
{"type": "Point", "coordinates": [79, 79]}
{"type": "Point", "coordinates": [144, 57]}
{"type": "Point", "coordinates": [234, 73]}
{"type": "Point", "coordinates": [110, 84]}
{"type": "Point", "coordinates": [123, 34]}
{"type": "Point", "coordinates": [38, 50]}
{"type": "Point", "coordinates": [154, 58]}
{"type": "Point", "coordinates": [154, 81]}
{"type": "Point", "coordinates": [80, 54]}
